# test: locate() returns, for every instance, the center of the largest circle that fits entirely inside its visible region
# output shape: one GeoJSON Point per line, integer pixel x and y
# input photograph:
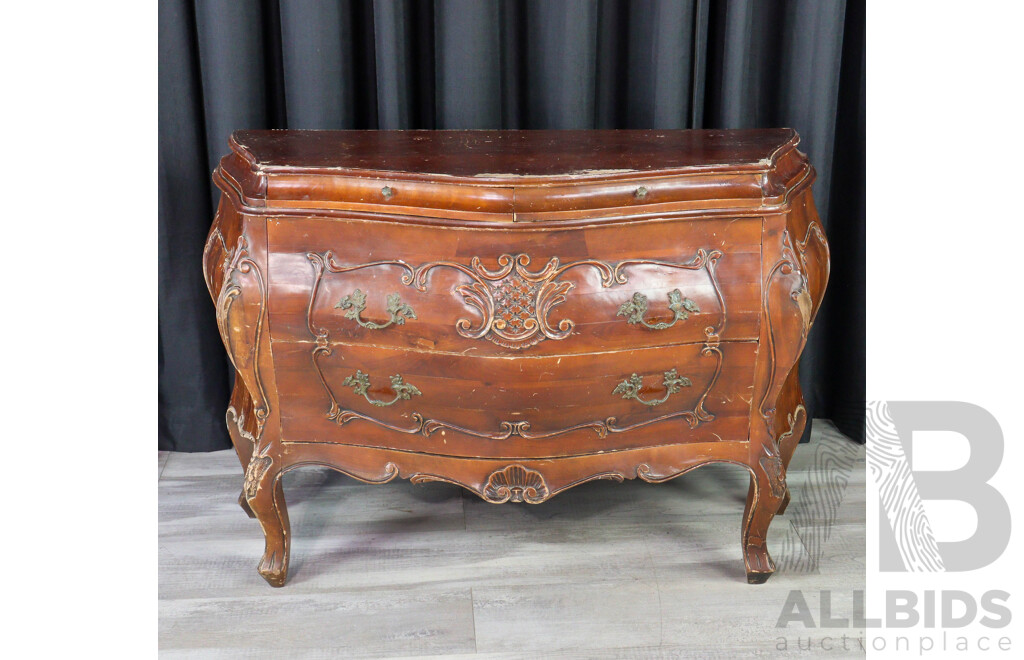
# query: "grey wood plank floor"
{"type": "Point", "coordinates": [605, 570]}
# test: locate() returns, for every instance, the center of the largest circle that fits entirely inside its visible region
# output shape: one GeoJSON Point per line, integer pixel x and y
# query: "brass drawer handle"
{"type": "Point", "coordinates": [630, 388]}
{"type": "Point", "coordinates": [360, 384]}
{"type": "Point", "coordinates": [356, 303]}
{"type": "Point", "coordinates": [635, 309]}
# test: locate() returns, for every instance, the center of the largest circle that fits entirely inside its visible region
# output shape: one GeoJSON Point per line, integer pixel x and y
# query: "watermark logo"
{"type": "Point", "coordinates": [820, 489]}
{"type": "Point", "coordinates": [945, 620]}
{"type": "Point", "coordinates": [907, 542]}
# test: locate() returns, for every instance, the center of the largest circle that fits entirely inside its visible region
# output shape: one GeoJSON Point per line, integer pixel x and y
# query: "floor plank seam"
{"type": "Point", "coordinates": [472, 613]}
{"type": "Point", "coordinates": [657, 586]}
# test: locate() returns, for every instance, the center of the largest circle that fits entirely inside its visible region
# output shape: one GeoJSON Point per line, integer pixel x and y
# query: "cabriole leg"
{"type": "Point", "coordinates": [265, 497]}
{"type": "Point", "coordinates": [765, 497]}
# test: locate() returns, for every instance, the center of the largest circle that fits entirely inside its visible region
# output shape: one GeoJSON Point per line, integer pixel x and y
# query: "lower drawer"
{"type": "Point", "coordinates": [521, 407]}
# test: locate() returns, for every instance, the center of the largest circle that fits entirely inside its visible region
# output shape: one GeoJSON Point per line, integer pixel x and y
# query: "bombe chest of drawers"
{"type": "Point", "coordinates": [515, 312]}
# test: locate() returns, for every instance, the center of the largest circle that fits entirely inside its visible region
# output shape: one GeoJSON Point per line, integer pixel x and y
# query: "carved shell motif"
{"type": "Point", "coordinates": [516, 483]}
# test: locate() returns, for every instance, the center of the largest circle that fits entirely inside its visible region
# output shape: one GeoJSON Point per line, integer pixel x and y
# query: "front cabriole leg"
{"type": "Point", "coordinates": [265, 497]}
{"type": "Point", "coordinates": [764, 498]}
{"type": "Point", "coordinates": [235, 267]}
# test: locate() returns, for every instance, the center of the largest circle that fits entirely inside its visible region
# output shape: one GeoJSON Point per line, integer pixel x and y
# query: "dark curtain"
{"type": "Point", "coordinates": [520, 64]}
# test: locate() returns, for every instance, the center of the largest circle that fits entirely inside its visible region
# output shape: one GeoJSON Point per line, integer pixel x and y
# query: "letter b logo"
{"type": "Point", "coordinates": [907, 541]}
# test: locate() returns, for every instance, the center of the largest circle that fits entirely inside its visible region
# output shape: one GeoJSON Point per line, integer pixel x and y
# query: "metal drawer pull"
{"type": "Point", "coordinates": [356, 303]}
{"type": "Point", "coordinates": [630, 388]}
{"type": "Point", "coordinates": [635, 309]}
{"type": "Point", "coordinates": [360, 384]}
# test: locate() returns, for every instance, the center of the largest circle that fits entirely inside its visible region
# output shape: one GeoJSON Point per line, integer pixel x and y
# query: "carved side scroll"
{"type": "Point", "coordinates": [814, 231]}
{"type": "Point", "coordinates": [238, 266]}
{"type": "Point", "coordinates": [791, 295]}
{"type": "Point", "coordinates": [785, 281]}
{"type": "Point", "coordinates": [241, 274]}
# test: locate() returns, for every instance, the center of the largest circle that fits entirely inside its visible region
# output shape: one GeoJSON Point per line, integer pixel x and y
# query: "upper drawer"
{"type": "Point", "coordinates": [514, 290]}
{"type": "Point", "coordinates": [513, 176]}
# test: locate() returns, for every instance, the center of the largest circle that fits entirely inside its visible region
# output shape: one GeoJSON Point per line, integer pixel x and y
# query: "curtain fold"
{"type": "Point", "coordinates": [520, 64]}
{"type": "Point", "coordinates": [192, 366]}
{"type": "Point", "coordinates": [318, 52]}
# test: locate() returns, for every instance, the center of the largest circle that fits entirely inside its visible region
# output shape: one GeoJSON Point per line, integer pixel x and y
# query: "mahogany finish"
{"type": "Point", "coordinates": [515, 312]}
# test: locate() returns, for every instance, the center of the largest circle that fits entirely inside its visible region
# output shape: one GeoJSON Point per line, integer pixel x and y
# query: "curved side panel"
{"type": "Point", "coordinates": [796, 265]}
{"type": "Point", "coordinates": [234, 267]}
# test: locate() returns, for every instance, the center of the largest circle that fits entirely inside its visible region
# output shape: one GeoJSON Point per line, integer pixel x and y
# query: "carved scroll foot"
{"type": "Point", "coordinates": [764, 499]}
{"type": "Point", "coordinates": [265, 497]}
{"type": "Point", "coordinates": [759, 564]}
{"type": "Point", "coordinates": [245, 505]}
{"type": "Point", "coordinates": [274, 568]}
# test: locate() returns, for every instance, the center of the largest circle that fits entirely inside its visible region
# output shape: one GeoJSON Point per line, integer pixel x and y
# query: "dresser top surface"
{"type": "Point", "coordinates": [496, 154]}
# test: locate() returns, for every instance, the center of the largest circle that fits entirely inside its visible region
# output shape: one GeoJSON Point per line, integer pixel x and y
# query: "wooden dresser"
{"type": "Point", "coordinates": [515, 312]}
